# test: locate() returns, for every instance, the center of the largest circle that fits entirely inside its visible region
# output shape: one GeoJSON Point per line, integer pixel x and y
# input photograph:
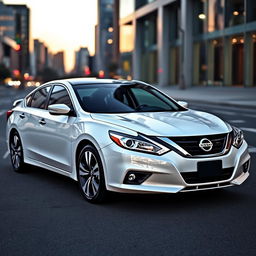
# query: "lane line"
{"type": "Point", "coordinates": [224, 107]}
{"type": "Point", "coordinates": [249, 115]}
{"type": "Point", "coordinates": [6, 155]}
{"type": "Point", "coordinates": [237, 121]}
{"type": "Point", "coordinates": [224, 112]}
{"type": "Point", "coordinates": [252, 149]}
{"type": "Point", "coordinates": [2, 112]}
{"type": "Point", "coordinates": [248, 129]}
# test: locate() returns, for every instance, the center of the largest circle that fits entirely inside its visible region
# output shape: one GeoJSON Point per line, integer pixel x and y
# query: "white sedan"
{"type": "Point", "coordinates": [124, 136]}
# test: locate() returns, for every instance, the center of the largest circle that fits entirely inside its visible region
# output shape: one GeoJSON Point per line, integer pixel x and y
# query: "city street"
{"type": "Point", "coordinates": [43, 213]}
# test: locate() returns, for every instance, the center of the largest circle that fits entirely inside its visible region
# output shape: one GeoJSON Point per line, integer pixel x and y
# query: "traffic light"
{"type": "Point", "coordinates": [18, 47]}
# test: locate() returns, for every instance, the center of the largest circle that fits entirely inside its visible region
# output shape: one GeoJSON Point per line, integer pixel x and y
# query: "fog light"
{"type": "Point", "coordinates": [246, 166]}
{"type": "Point", "coordinates": [131, 177]}
{"type": "Point", "coordinates": [136, 177]}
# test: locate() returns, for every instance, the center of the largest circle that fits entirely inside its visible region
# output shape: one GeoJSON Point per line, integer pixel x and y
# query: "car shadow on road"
{"type": "Point", "coordinates": [141, 202]}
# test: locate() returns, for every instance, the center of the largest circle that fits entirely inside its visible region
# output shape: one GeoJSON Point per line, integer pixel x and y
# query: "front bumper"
{"type": "Point", "coordinates": [166, 170]}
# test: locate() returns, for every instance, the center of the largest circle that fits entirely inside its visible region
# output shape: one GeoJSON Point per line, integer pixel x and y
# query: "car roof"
{"type": "Point", "coordinates": [84, 81]}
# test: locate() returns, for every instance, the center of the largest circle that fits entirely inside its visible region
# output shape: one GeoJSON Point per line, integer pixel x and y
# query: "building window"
{"type": "Point", "coordinates": [149, 31]}
{"type": "Point", "coordinates": [251, 10]}
{"type": "Point", "coordinates": [218, 61]}
{"type": "Point", "coordinates": [235, 12]}
{"type": "Point", "coordinates": [254, 58]}
{"type": "Point", "coordinates": [200, 16]}
{"type": "Point", "coordinates": [216, 15]}
{"type": "Point", "coordinates": [126, 48]}
{"type": "Point", "coordinates": [237, 60]}
{"type": "Point", "coordinates": [174, 21]}
{"type": "Point", "coordinates": [149, 51]}
{"type": "Point", "coordinates": [126, 38]}
{"type": "Point", "coordinates": [174, 17]}
{"type": "Point", "coordinates": [203, 63]}
{"type": "Point", "coordinates": [215, 61]}
{"type": "Point", "coordinates": [174, 65]}
{"type": "Point", "coordinates": [200, 66]}
{"type": "Point", "coordinates": [126, 8]}
{"type": "Point", "coordinates": [140, 3]}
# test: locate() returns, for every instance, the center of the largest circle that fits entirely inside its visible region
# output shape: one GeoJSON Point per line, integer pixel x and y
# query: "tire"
{"type": "Point", "coordinates": [16, 152]}
{"type": "Point", "coordinates": [90, 175]}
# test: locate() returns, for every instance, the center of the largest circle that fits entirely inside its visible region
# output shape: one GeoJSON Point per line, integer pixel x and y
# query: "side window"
{"type": "Point", "coordinates": [60, 95]}
{"type": "Point", "coordinates": [28, 100]}
{"type": "Point", "coordinates": [40, 97]}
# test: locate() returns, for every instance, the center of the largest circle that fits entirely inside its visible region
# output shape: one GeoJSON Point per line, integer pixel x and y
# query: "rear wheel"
{"type": "Point", "coordinates": [90, 175]}
{"type": "Point", "coordinates": [16, 152]}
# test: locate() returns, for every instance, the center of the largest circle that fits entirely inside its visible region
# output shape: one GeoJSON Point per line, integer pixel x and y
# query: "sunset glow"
{"type": "Point", "coordinates": [62, 25]}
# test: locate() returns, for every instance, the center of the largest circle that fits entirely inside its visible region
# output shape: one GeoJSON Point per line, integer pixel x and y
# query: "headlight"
{"type": "Point", "coordinates": [138, 143]}
{"type": "Point", "coordinates": [238, 137]}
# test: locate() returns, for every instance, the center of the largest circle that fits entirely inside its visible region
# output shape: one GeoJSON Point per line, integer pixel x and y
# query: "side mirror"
{"type": "Point", "coordinates": [59, 109]}
{"type": "Point", "coordinates": [183, 104]}
{"type": "Point", "coordinates": [17, 102]}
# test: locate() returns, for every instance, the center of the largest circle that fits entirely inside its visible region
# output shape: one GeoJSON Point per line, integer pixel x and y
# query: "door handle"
{"type": "Point", "coordinates": [42, 121]}
{"type": "Point", "coordinates": [22, 116]}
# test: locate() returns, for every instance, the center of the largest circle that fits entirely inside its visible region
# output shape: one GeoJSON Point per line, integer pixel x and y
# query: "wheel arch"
{"type": "Point", "coordinates": [86, 140]}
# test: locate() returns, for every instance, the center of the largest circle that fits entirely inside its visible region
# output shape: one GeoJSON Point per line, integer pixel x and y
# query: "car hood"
{"type": "Point", "coordinates": [188, 123]}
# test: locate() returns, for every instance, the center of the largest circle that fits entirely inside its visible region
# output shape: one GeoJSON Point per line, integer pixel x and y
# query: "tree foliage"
{"type": "Point", "coordinates": [4, 72]}
{"type": "Point", "coordinates": [48, 74]}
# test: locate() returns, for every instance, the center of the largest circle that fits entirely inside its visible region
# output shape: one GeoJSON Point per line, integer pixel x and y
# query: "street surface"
{"type": "Point", "coordinates": [43, 213]}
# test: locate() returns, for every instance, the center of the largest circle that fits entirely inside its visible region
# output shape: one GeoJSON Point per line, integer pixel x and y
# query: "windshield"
{"type": "Point", "coordinates": [120, 98]}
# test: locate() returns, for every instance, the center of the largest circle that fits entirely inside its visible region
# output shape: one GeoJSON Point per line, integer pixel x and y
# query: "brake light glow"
{"type": "Point", "coordinates": [8, 114]}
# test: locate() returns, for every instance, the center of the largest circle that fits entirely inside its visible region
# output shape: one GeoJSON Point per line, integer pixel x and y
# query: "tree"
{"type": "Point", "coordinates": [4, 72]}
{"type": "Point", "coordinates": [48, 74]}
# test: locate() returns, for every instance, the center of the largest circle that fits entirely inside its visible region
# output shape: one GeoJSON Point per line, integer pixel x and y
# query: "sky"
{"type": "Point", "coordinates": [62, 24]}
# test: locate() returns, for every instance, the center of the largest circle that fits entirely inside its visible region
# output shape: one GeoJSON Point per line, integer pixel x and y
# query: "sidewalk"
{"type": "Point", "coordinates": [233, 96]}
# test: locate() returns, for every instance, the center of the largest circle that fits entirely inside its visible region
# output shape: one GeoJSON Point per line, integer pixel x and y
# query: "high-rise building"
{"type": "Point", "coordinates": [40, 58]}
{"type": "Point", "coordinates": [9, 56]}
{"type": "Point", "coordinates": [189, 42]}
{"type": "Point", "coordinates": [22, 34]}
{"type": "Point", "coordinates": [58, 63]}
{"type": "Point", "coordinates": [106, 35]}
{"type": "Point", "coordinates": [82, 61]}
{"type": "Point", "coordinates": [7, 21]}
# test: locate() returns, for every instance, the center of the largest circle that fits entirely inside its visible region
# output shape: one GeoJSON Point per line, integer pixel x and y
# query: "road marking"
{"type": "Point", "coordinates": [224, 112]}
{"type": "Point", "coordinates": [6, 155]}
{"type": "Point", "coordinates": [252, 149]}
{"type": "Point", "coordinates": [249, 115]}
{"type": "Point", "coordinates": [248, 129]}
{"type": "Point", "coordinates": [2, 112]}
{"type": "Point", "coordinates": [237, 121]}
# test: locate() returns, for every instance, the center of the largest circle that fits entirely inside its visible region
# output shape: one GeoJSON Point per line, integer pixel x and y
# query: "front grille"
{"type": "Point", "coordinates": [191, 144]}
{"type": "Point", "coordinates": [193, 177]}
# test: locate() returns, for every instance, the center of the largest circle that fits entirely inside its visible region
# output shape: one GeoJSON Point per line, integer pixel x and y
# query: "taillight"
{"type": "Point", "coordinates": [8, 114]}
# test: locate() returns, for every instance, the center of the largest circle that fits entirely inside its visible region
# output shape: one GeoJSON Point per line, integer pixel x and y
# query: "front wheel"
{"type": "Point", "coordinates": [90, 175]}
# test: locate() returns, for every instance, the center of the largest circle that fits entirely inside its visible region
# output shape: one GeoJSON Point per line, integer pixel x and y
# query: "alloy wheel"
{"type": "Point", "coordinates": [89, 174]}
{"type": "Point", "coordinates": [16, 151]}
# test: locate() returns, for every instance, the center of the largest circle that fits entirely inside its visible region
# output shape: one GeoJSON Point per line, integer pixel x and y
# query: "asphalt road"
{"type": "Point", "coordinates": [42, 213]}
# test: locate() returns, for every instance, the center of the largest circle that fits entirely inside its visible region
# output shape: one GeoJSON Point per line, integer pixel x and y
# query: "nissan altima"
{"type": "Point", "coordinates": [124, 136]}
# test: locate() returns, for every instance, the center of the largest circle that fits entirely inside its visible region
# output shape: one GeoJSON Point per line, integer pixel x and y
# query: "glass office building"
{"type": "Point", "coordinates": [194, 42]}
